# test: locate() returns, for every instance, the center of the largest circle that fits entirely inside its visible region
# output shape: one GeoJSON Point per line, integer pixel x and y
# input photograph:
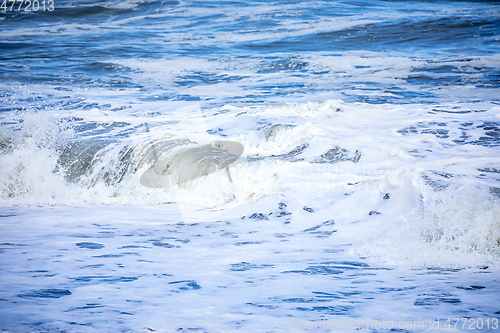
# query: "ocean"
{"type": "Point", "coordinates": [249, 166]}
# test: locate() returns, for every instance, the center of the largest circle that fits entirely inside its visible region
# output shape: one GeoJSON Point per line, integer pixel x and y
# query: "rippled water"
{"type": "Point", "coordinates": [222, 166]}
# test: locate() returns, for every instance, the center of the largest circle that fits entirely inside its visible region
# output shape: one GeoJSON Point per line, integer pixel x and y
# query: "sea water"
{"type": "Point", "coordinates": [256, 166]}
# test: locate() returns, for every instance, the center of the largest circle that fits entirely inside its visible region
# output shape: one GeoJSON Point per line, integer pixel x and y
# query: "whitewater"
{"type": "Point", "coordinates": [223, 166]}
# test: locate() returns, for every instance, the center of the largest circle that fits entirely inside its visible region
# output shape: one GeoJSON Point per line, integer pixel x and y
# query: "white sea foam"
{"type": "Point", "coordinates": [407, 198]}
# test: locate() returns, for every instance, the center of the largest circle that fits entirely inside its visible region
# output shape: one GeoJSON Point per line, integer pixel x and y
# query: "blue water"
{"type": "Point", "coordinates": [265, 48]}
{"type": "Point", "coordinates": [368, 188]}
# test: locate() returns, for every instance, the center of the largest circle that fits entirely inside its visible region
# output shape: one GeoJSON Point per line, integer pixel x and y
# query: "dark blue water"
{"type": "Point", "coordinates": [266, 48]}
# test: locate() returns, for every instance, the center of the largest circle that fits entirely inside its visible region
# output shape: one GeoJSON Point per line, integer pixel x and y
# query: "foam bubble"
{"type": "Point", "coordinates": [455, 227]}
